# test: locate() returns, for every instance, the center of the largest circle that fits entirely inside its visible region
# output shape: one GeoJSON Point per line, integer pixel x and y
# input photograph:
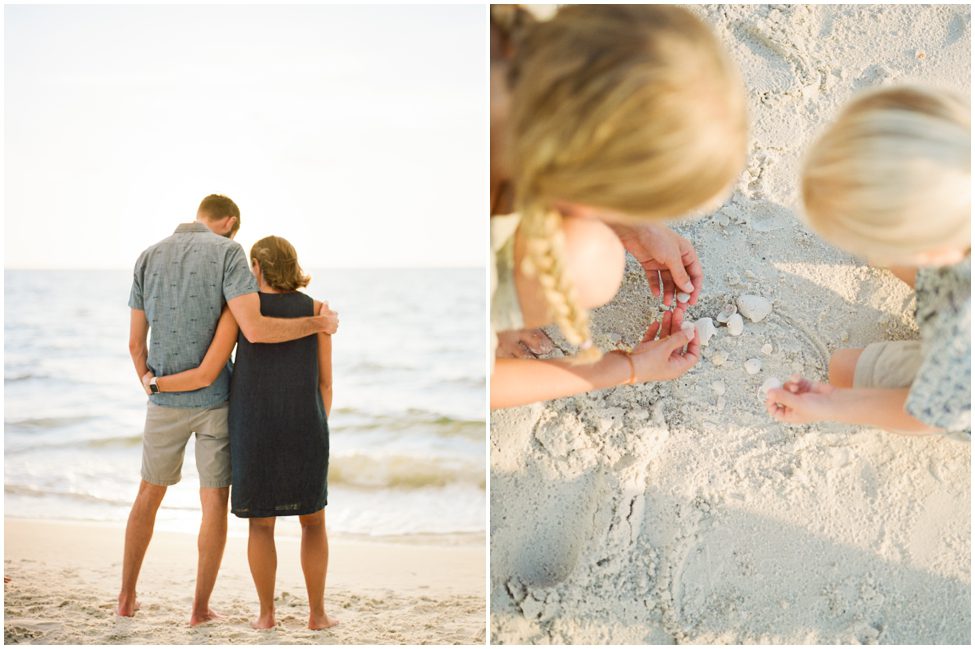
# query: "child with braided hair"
{"type": "Point", "coordinates": [620, 117]}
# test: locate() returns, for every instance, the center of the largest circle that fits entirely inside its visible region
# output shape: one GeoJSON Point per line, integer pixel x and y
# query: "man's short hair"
{"type": "Point", "coordinates": [217, 206]}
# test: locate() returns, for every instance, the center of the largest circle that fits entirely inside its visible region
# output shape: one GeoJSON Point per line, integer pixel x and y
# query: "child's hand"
{"type": "Point", "coordinates": [800, 401]}
{"type": "Point", "coordinates": [664, 358]}
{"type": "Point", "coordinates": [668, 259]}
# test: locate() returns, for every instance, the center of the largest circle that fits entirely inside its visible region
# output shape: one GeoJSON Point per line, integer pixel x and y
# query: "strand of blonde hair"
{"type": "Point", "coordinates": [544, 260]}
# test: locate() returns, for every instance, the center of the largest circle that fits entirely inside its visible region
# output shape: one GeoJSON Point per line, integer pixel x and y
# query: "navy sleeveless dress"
{"type": "Point", "coordinates": [278, 430]}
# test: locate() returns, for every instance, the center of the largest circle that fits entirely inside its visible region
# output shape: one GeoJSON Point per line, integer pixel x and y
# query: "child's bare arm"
{"type": "Point", "coordinates": [517, 381]}
{"type": "Point", "coordinates": [812, 402]}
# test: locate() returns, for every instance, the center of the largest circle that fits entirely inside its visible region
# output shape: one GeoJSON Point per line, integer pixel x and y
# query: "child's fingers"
{"type": "Point", "coordinates": [667, 324]}
{"type": "Point", "coordinates": [694, 347]}
{"type": "Point", "coordinates": [786, 398]}
{"type": "Point", "coordinates": [651, 332]}
{"type": "Point", "coordinates": [696, 274]}
{"type": "Point", "coordinates": [676, 341]}
{"type": "Point", "coordinates": [672, 321]}
{"type": "Point", "coordinates": [669, 288]}
{"type": "Point", "coordinates": [653, 279]}
{"type": "Point", "coordinates": [689, 359]}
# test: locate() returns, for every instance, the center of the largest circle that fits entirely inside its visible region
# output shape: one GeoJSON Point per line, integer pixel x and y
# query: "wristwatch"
{"type": "Point", "coordinates": [152, 386]}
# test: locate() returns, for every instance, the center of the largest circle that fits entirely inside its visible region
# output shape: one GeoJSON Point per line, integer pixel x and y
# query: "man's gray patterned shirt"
{"type": "Point", "coordinates": [182, 284]}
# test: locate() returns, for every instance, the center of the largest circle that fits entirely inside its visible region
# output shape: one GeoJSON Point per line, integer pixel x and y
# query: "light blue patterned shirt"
{"type": "Point", "coordinates": [941, 394]}
{"type": "Point", "coordinates": [182, 284]}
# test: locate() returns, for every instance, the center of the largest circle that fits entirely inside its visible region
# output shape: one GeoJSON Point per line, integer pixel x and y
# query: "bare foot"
{"type": "Point", "coordinates": [127, 606]}
{"type": "Point", "coordinates": [319, 622]}
{"type": "Point", "coordinates": [209, 615]}
{"type": "Point", "coordinates": [523, 343]}
{"type": "Point", "coordinates": [265, 621]}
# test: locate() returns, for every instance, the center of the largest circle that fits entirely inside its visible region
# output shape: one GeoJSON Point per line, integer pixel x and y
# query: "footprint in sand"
{"type": "Point", "coordinates": [558, 523]}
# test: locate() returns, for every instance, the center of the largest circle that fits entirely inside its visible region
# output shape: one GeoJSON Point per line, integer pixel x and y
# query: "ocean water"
{"type": "Point", "coordinates": [407, 425]}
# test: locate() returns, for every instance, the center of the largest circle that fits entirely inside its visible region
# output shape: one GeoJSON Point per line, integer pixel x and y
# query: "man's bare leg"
{"type": "Point", "coordinates": [314, 563]}
{"type": "Point", "coordinates": [138, 533]}
{"type": "Point", "coordinates": [210, 545]}
{"type": "Point", "coordinates": [263, 559]}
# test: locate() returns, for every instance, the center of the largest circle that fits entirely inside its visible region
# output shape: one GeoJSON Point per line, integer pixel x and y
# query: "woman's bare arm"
{"type": "Point", "coordinates": [215, 359]}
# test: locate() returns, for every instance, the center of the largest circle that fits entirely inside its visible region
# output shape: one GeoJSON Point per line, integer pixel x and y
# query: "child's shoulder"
{"type": "Point", "coordinates": [944, 294]}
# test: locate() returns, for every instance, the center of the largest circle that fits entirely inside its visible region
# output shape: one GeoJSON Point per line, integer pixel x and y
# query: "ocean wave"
{"type": "Point", "coordinates": [25, 376]}
{"type": "Point", "coordinates": [128, 441]}
{"type": "Point", "coordinates": [431, 422]}
{"type": "Point", "coordinates": [45, 423]}
{"type": "Point", "coordinates": [76, 496]}
{"type": "Point", "coordinates": [403, 471]}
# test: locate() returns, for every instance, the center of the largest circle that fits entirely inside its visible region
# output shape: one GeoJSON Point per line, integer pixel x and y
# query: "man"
{"type": "Point", "coordinates": [179, 288]}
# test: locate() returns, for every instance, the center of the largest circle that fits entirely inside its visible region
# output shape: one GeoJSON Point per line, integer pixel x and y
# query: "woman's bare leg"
{"type": "Point", "coordinates": [263, 559]}
{"type": "Point", "coordinates": [314, 563]}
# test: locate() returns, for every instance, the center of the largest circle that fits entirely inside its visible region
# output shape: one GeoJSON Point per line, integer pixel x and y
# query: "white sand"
{"type": "Point", "coordinates": [671, 513]}
{"type": "Point", "coordinates": [65, 578]}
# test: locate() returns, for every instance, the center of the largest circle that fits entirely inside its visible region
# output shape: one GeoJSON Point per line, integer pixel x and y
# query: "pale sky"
{"type": "Point", "coordinates": [358, 133]}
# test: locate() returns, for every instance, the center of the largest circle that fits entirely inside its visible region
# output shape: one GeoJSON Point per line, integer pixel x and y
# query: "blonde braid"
{"type": "Point", "coordinates": [635, 109]}
{"type": "Point", "coordinates": [541, 229]}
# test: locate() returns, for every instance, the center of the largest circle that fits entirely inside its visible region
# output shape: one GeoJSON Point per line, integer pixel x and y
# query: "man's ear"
{"type": "Point", "coordinates": [226, 226]}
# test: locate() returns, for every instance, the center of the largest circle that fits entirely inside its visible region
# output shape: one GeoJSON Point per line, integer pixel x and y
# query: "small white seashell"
{"type": "Point", "coordinates": [722, 219]}
{"type": "Point", "coordinates": [721, 403]}
{"type": "Point", "coordinates": [767, 349]}
{"type": "Point", "coordinates": [771, 383]}
{"type": "Point", "coordinates": [719, 358]}
{"type": "Point", "coordinates": [688, 328]}
{"type": "Point", "coordinates": [718, 388]}
{"type": "Point", "coordinates": [683, 297]}
{"type": "Point", "coordinates": [753, 366]}
{"type": "Point", "coordinates": [727, 311]}
{"type": "Point", "coordinates": [735, 325]}
{"type": "Point", "coordinates": [754, 307]}
{"type": "Point", "coordinates": [705, 330]}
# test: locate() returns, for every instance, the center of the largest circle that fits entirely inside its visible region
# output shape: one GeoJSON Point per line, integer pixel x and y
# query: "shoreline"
{"type": "Point", "coordinates": [419, 538]}
{"type": "Point", "coordinates": [64, 581]}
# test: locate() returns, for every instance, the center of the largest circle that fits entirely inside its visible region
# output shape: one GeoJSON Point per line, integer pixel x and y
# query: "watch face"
{"type": "Point", "coordinates": [154, 388]}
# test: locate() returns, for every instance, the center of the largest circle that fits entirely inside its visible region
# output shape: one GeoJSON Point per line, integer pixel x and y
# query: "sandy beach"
{"type": "Point", "coordinates": [64, 581]}
{"type": "Point", "coordinates": [680, 512]}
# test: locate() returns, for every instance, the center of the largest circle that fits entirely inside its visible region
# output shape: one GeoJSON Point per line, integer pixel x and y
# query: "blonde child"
{"type": "Point", "coordinates": [890, 181]}
{"type": "Point", "coordinates": [619, 118]}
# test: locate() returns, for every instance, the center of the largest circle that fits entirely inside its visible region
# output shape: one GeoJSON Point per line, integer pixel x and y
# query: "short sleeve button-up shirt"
{"type": "Point", "coordinates": [182, 284]}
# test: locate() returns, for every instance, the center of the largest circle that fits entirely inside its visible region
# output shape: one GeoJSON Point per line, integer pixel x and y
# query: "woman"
{"type": "Point", "coordinates": [280, 399]}
{"type": "Point", "coordinates": [605, 121]}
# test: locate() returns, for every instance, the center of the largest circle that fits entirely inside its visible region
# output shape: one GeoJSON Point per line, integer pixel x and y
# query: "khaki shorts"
{"type": "Point", "coordinates": [164, 440]}
{"type": "Point", "coordinates": [891, 364]}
